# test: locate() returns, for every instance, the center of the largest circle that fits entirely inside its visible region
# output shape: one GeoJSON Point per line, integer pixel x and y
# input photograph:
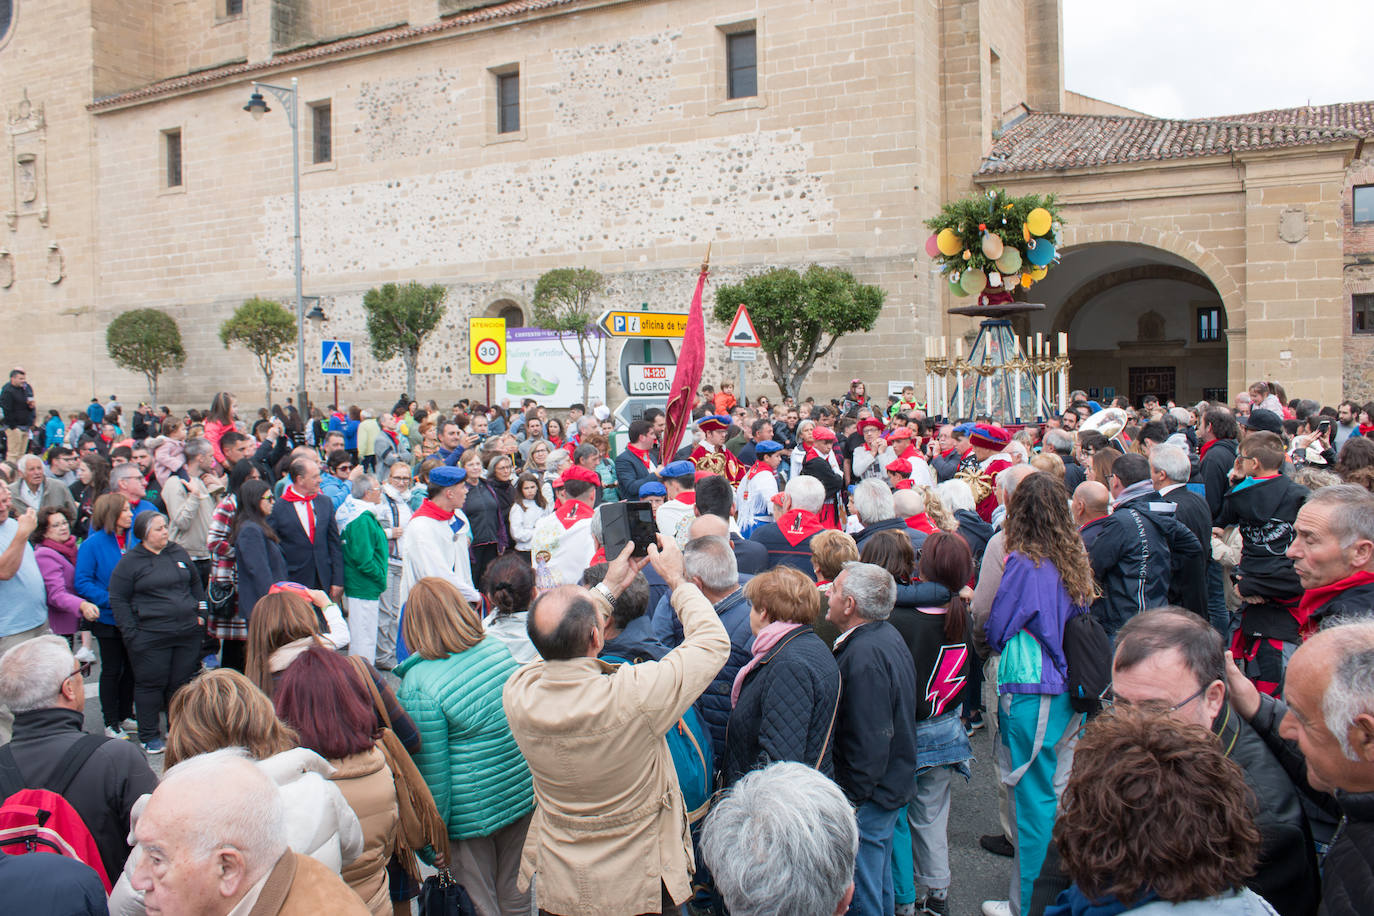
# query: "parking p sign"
{"type": "Point", "coordinates": [487, 346]}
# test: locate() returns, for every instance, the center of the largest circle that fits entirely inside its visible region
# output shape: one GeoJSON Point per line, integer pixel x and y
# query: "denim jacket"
{"type": "Point", "coordinates": [942, 741]}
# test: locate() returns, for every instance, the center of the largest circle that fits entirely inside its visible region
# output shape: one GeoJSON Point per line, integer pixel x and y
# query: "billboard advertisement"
{"type": "Point", "coordinates": [538, 366]}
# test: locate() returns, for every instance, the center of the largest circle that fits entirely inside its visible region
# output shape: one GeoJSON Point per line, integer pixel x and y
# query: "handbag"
{"type": "Point", "coordinates": [420, 822]}
{"type": "Point", "coordinates": [442, 896]}
{"type": "Point", "coordinates": [222, 599]}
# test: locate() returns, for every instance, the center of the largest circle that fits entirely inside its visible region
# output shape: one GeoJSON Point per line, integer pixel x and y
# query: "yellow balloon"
{"type": "Point", "coordinates": [948, 242]}
{"type": "Point", "coordinates": [1037, 274]}
{"type": "Point", "coordinates": [1038, 221]}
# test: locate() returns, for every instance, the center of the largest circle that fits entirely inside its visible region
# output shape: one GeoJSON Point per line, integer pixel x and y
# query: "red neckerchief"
{"type": "Point", "coordinates": [1202, 452]}
{"type": "Point", "coordinates": [758, 468]}
{"type": "Point", "coordinates": [430, 510]}
{"type": "Point", "coordinates": [573, 511]}
{"type": "Point", "coordinates": [903, 485]}
{"type": "Point", "coordinates": [599, 556]}
{"type": "Point", "coordinates": [687, 497]}
{"type": "Point", "coordinates": [1366, 430]}
{"type": "Point", "coordinates": [642, 456]}
{"type": "Point", "coordinates": [811, 453]}
{"type": "Point", "coordinates": [797, 525]}
{"type": "Point", "coordinates": [1313, 598]}
{"type": "Point", "coordinates": [912, 450]}
{"type": "Point", "coordinates": [392, 436]}
{"type": "Point", "coordinates": [292, 495]}
{"type": "Point", "coordinates": [921, 522]}
{"type": "Point", "coordinates": [121, 538]}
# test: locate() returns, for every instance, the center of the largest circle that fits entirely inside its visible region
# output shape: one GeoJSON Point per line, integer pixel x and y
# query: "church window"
{"type": "Point", "coordinates": [1209, 324]}
{"type": "Point", "coordinates": [741, 60]}
{"type": "Point", "coordinates": [1363, 307]}
{"type": "Point", "coordinates": [1364, 202]}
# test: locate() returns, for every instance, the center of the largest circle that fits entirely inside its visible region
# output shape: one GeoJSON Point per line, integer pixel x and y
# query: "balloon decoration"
{"type": "Point", "coordinates": [995, 240]}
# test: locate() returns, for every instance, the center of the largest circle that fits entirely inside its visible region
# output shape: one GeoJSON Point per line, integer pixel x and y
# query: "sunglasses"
{"type": "Point", "coordinates": [83, 669]}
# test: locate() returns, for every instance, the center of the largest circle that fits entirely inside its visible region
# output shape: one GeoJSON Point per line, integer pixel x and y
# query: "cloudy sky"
{"type": "Point", "coordinates": [1197, 58]}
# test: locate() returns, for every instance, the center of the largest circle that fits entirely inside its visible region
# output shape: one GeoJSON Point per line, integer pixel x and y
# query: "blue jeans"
{"type": "Point", "coordinates": [873, 890]}
{"type": "Point", "coordinates": [1217, 615]}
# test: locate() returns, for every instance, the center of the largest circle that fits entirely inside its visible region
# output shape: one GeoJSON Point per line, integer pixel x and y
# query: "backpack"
{"type": "Point", "coordinates": [690, 744]}
{"type": "Point", "coordinates": [1088, 652]}
{"type": "Point", "coordinates": [41, 819]}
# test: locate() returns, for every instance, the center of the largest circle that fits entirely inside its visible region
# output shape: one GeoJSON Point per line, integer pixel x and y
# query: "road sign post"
{"type": "Point", "coordinates": [744, 345]}
{"type": "Point", "coordinates": [487, 349]}
{"type": "Point", "coordinates": [336, 359]}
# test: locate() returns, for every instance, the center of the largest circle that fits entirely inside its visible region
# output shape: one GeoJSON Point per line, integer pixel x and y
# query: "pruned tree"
{"type": "Point", "coordinates": [563, 303]}
{"type": "Point", "coordinates": [146, 341]}
{"type": "Point", "coordinates": [264, 328]}
{"type": "Point", "coordinates": [399, 318]}
{"type": "Point", "coordinates": [799, 317]}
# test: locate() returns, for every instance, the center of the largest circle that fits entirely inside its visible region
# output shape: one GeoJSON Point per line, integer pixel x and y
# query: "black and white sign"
{"type": "Point", "coordinates": [644, 379]}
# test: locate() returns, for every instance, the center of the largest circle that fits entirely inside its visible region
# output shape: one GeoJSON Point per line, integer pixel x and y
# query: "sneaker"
{"type": "Point", "coordinates": [906, 909]}
{"type": "Point", "coordinates": [997, 844]}
{"type": "Point", "coordinates": [934, 906]}
{"type": "Point", "coordinates": [996, 908]}
{"type": "Point", "coordinates": [115, 732]}
{"type": "Point", "coordinates": [129, 725]}
{"type": "Point", "coordinates": [975, 721]}
{"type": "Point", "coordinates": [84, 654]}
{"type": "Point", "coordinates": [155, 747]}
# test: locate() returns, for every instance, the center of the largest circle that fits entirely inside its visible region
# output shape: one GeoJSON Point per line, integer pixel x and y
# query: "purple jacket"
{"type": "Point", "coordinates": [64, 604]}
{"type": "Point", "coordinates": [1031, 599]}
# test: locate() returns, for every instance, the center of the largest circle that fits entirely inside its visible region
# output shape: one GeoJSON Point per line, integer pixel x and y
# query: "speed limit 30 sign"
{"type": "Point", "coordinates": [487, 346]}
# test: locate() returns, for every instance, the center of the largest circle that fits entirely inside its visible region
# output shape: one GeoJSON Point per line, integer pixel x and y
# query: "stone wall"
{"type": "Point", "coordinates": [1358, 275]}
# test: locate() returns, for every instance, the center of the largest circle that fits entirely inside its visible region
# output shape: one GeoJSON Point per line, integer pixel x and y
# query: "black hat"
{"type": "Point", "coordinates": [1265, 420]}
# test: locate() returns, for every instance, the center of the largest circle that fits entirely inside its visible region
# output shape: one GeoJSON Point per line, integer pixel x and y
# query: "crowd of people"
{"type": "Point", "coordinates": [388, 641]}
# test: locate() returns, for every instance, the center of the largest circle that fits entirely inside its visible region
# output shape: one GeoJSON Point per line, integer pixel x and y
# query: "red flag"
{"type": "Point", "coordinates": [691, 360]}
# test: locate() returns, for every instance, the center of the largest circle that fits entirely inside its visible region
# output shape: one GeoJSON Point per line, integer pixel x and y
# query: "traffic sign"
{"type": "Point", "coordinates": [743, 354]}
{"type": "Point", "coordinates": [336, 357]}
{"type": "Point", "coordinates": [632, 409]}
{"type": "Point", "coordinates": [643, 324]}
{"type": "Point", "coordinates": [742, 333]}
{"type": "Point", "coordinates": [487, 346]}
{"type": "Point", "coordinates": [648, 380]}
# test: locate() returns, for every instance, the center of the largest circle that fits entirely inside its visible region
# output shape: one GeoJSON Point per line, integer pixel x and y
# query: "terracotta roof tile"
{"type": "Point", "coordinates": [1042, 141]}
{"type": "Point", "coordinates": [508, 9]}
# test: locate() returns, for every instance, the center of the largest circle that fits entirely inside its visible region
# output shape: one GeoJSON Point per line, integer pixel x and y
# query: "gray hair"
{"type": "Point", "coordinates": [1061, 440]}
{"type": "Point", "coordinates": [907, 503]}
{"type": "Point", "coordinates": [1351, 690]}
{"type": "Point", "coordinates": [1181, 415]}
{"type": "Point", "coordinates": [362, 485]}
{"type": "Point", "coordinates": [584, 451]}
{"type": "Point", "coordinates": [596, 528]}
{"type": "Point", "coordinates": [557, 460]}
{"type": "Point", "coordinates": [872, 500]}
{"type": "Point", "coordinates": [250, 815]}
{"type": "Point", "coordinates": [711, 560]}
{"type": "Point", "coordinates": [1010, 478]}
{"type": "Point", "coordinates": [1173, 463]}
{"type": "Point", "coordinates": [588, 424]}
{"type": "Point", "coordinates": [781, 843]}
{"type": "Point", "coordinates": [31, 673]}
{"type": "Point", "coordinates": [26, 459]}
{"type": "Point", "coordinates": [122, 473]}
{"type": "Point", "coordinates": [805, 492]}
{"type": "Point", "coordinates": [197, 448]}
{"type": "Point", "coordinates": [1351, 511]}
{"type": "Point", "coordinates": [956, 495]}
{"type": "Point", "coordinates": [873, 589]}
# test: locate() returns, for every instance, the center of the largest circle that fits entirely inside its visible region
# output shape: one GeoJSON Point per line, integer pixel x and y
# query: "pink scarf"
{"type": "Point", "coordinates": [764, 640]}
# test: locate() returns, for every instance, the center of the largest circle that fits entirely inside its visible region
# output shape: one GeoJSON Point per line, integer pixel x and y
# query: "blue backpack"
{"type": "Point", "coordinates": [690, 744]}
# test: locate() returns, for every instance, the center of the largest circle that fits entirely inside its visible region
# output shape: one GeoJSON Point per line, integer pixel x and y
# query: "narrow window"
{"type": "Point", "coordinates": [172, 139]}
{"type": "Point", "coordinates": [321, 144]}
{"type": "Point", "coordinates": [741, 60]}
{"type": "Point", "coordinates": [233, 8]}
{"type": "Point", "coordinates": [1364, 204]}
{"type": "Point", "coordinates": [1363, 308]}
{"type": "Point", "coordinates": [508, 102]}
{"type": "Point", "coordinates": [1208, 324]}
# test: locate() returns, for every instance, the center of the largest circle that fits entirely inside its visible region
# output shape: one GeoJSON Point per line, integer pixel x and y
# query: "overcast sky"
{"type": "Point", "coordinates": [1203, 58]}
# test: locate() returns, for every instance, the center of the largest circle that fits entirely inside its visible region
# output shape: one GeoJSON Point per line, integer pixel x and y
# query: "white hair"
{"type": "Point", "coordinates": [1352, 512]}
{"type": "Point", "coordinates": [872, 501]}
{"type": "Point", "coordinates": [248, 813]}
{"type": "Point", "coordinates": [27, 459]}
{"type": "Point", "coordinates": [1172, 462]}
{"type": "Point", "coordinates": [31, 673]}
{"type": "Point", "coordinates": [711, 560]}
{"type": "Point", "coordinates": [362, 485]}
{"type": "Point", "coordinates": [588, 424]}
{"type": "Point", "coordinates": [873, 589]}
{"type": "Point", "coordinates": [781, 843]}
{"type": "Point", "coordinates": [907, 503]}
{"type": "Point", "coordinates": [1017, 448]}
{"type": "Point", "coordinates": [956, 495]}
{"type": "Point", "coordinates": [1060, 441]}
{"type": "Point", "coordinates": [1010, 478]}
{"type": "Point", "coordinates": [1351, 690]}
{"type": "Point", "coordinates": [806, 493]}
{"type": "Point", "coordinates": [557, 459]}
{"type": "Point", "coordinates": [597, 528]}
{"type": "Point", "coordinates": [1181, 415]}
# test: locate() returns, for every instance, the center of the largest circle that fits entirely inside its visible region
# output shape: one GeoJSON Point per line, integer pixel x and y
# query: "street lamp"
{"type": "Point", "coordinates": [257, 107]}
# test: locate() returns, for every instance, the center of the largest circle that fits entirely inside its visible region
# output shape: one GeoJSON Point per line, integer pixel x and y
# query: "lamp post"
{"type": "Point", "coordinates": [317, 318]}
{"type": "Point", "coordinates": [257, 107]}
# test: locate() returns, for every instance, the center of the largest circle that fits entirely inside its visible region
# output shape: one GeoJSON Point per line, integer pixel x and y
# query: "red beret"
{"type": "Point", "coordinates": [824, 433]}
{"type": "Point", "coordinates": [577, 472]}
{"type": "Point", "coordinates": [899, 466]}
{"type": "Point", "coordinates": [870, 421]}
{"type": "Point", "coordinates": [901, 432]}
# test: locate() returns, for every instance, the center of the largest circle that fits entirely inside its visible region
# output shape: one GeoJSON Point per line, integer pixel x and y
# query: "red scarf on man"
{"type": "Point", "coordinates": [642, 456]}
{"type": "Point", "coordinates": [429, 510]}
{"type": "Point", "coordinates": [292, 495]}
{"type": "Point", "coordinates": [573, 511]}
{"type": "Point", "coordinates": [797, 525]}
{"type": "Point", "coordinates": [1314, 598]}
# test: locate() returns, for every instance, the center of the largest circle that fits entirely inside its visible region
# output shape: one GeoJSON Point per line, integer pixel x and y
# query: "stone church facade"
{"type": "Point", "coordinates": [479, 144]}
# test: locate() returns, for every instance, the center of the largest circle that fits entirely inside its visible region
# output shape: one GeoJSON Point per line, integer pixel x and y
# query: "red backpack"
{"type": "Point", "coordinates": [41, 819]}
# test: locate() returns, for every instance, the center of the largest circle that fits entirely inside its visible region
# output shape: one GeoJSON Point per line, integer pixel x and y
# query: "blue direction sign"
{"type": "Point", "coordinates": [336, 357]}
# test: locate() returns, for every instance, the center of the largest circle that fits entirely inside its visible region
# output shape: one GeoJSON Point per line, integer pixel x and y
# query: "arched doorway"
{"type": "Point", "coordinates": [508, 309]}
{"type": "Point", "coordinates": [1140, 321]}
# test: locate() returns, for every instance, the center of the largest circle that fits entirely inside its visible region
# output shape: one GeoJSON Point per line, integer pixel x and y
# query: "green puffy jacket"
{"type": "Point", "coordinates": [365, 554]}
{"type": "Point", "coordinates": [468, 756]}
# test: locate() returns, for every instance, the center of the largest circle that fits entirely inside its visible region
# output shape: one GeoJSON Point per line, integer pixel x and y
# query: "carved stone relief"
{"type": "Point", "coordinates": [1293, 225]}
{"type": "Point", "coordinates": [57, 266]}
{"type": "Point", "coordinates": [26, 129]}
{"type": "Point", "coordinates": [1150, 326]}
{"type": "Point", "coordinates": [6, 270]}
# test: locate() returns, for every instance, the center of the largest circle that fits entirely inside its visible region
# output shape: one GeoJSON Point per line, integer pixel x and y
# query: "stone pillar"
{"type": "Point", "coordinates": [1045, 55]}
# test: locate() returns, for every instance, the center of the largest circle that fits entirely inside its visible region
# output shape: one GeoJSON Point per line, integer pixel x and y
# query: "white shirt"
{"type": "Point", "coordinates": [430, 547]}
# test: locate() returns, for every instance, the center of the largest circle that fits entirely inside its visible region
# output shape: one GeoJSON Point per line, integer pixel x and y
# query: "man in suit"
{"type": "Point", "coordinates": [304, 521]}
{"type": "Point", "coordinates": [636, 464]}
{"type": "Point", "coordinates": [1170, 470]}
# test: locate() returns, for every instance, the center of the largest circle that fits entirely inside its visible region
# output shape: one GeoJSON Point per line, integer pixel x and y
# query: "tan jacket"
{"type": "Point", "coordinates": [300, 886]}
{"type": "Point", "coordinates": [610, 828]}
{"type": "Point", "coordinates": [368, 787]}
{"type": "Point", "coordinates": [189, 515]}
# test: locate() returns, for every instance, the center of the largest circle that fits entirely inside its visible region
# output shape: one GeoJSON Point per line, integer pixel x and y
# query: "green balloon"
{"type": "Point", "coordinates": [956, 289]}
{"type": "Point", "coordinates": [1010, 261]}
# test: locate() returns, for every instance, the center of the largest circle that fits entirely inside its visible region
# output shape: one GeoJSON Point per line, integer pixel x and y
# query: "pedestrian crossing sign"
{"type": "Point", "coordinates": [336, 357]}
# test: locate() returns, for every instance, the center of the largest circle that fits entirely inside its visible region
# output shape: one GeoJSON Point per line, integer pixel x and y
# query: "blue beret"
{"type": "Point", "coordinates": [445, 476]}
{"type": "Point", "coordinates": [767, 448]}
{"type": "Point", "coordinates": [965, 429]}
{"type": "Point", "coordinates": [652, 488]}
{"type": "Point", "coordinates": [679, 469]}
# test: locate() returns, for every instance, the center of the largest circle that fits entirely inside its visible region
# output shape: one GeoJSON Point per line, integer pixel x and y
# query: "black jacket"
{"type": "Point", "coordinates": [51, 884]}
{"type": "Point", "coordinates": [483, 508]}
{"type": "Point", "coordinates": [1189, 589]}
{"type": "Point", "coordinates": [1264, 510]}
{"type": "Point", "coordinates": [1138, 550]}
{"type": "Point", "coordinates": [317, 564]}
{"type": "Point", "coordinates": [917, 538]}
{"type": "Point", "coordinates": [630, 472]}
{"type": "Point", "coordinates": [1356, 602]}
{"type": "Point", "coordinates": [1074, 473]}
{"type": "Point", "coordinates": [875, 732]}
{"type": "Point", "coordinates": [975, 532]}
{"type": "Point", "coordinates": [786, 709]}
{"type": "Point", "coordinates": [1216, 468]}
{"type": "Point", "coordinates": [15, 403]}
{"type": "Point", "coordinates": [819, 468]}
{"type": "Point", "coordinates": [945, 466]}
{"type": "Point", "coordinates": [156, 592]}
{"type": "Point", "coordinates": [780, 552]}
{"type": "Point", "coordinates": [750, 558]}
{"type": "Point", "coordinates": [106, 786]}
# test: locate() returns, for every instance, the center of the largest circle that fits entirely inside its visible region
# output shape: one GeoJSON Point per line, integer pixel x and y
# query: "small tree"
{"type": "Point", "coordinates": [264, 328]}
{"type": "Point", "coordinates": [147, 341]}
{"type": "Point", "coordinates": [563, 303]}
{"type": "Point", "coordinates": [399, 318]}
{"type": "Point", "coordinates": [799, 317]}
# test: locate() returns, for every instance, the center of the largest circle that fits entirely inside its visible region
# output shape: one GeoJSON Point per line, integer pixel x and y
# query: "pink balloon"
{"type": "Point", "coordinates": [932, 248]}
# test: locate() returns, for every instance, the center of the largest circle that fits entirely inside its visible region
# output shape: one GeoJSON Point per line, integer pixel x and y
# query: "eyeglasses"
{"type": "Point", "coordinates": [1110, 700]}
{"type": "Point", "coordinates": [83, 669]}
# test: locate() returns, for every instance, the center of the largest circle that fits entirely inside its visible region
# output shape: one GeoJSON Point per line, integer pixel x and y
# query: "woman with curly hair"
{"type": "Point", "coordinates": [1155, 820]}
{"type": "Point", "coordinates": [1045, 580]}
